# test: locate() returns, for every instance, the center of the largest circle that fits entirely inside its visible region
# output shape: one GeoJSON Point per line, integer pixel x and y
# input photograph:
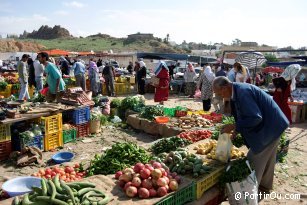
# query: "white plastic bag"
{"type": "Point", "coordinates": [223, 148]}
{"type": "Point", "coordinates": [244, 192]}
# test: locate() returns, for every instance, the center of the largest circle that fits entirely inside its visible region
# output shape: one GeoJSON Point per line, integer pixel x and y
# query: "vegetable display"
{"type": "Point", "coordinates": [228, 120]}
{"type": "Point", "coordinates": [238, 171]}
{"type": "Point", "coordinates": [151, 111]}
{"type": "Point", "coordinates": [67, 173]}
{"type": "Point", "coordinates": [183, 162]}
{"type": "Point", "coordinates": [119, 157]}
{"type": "Point", "coordinates": [196, 135]}
{"type": "Point", "coordinates": [213, 117]}
{"type": "Point", "coordinates": [193, 121]}
{"type": "Point", "coordinates": [209, 149]}
{"type": "Point", "coordinates": [115, 103]}
{"type": "Point", "coordinates": [3, 86]}
{"type": "Point", "coordinates": [169, 144]}
{"type": "Point", "coordinates": [131, 102]}
{"type": "Point", "coordinates": [147, 180]}
{"type": "Point", "coordinates": [38, 98]}
{"type": "Point", "coordinates": [58, 192]}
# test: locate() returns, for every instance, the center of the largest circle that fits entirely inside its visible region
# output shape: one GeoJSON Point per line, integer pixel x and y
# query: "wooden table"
{"type": "Point", "coordinates": [56, 108]}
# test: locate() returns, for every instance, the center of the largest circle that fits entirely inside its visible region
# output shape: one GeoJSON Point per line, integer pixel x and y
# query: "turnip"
{"type": "Point", "coordinates": [138, 167]}
{"type": "Point", "coordinates": [161, 182]}
{"type": "Point", "coordinates": [118, 174]}
{"type": "Point", "coordinates": [156, 165]}
{"type": "Point", "coordinates": [136, 181]}
{"type": "Point", "coordinates": [162, 191]}
{"type": "Point", "coordinates": [145, 173]}
{"type": "Point", "coordinates": [173, 185]}
{"type": "Point", "coordinates": [147, 183]}
{"type": "Point", "coordinates": [156, 173]}
{"type": "Point", "coordinates": [128, 184]}
{"type": "Point", "coordinates": [152, 192]}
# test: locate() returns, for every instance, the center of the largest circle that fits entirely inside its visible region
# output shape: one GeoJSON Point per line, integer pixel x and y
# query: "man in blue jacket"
{"type": "Point", "coordinates": [259, 120]}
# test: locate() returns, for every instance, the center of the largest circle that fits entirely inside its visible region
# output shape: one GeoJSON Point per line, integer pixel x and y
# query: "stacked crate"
{"type": "Point", "coordinates": [80, 119]}
{"type": "Point", "coordinates": [53, 131]}
{"type": "Point", "coordinates": [5, 142]}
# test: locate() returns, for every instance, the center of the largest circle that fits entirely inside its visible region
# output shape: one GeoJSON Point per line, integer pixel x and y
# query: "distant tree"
{"type": "Point", "coordinates": [167, 37]}
{"type": "Point", "coordinates": [271, 58]}
{"type": "Point", "coordinates": [159, 39]}
{"type": "Point", "coordinates": [236, 42]}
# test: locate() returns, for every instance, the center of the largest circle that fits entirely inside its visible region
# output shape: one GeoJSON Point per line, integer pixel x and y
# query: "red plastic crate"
{"type": "Point", "coordinates": [83, 130]}
{"type": "Point", "coordinates": [5, 150]}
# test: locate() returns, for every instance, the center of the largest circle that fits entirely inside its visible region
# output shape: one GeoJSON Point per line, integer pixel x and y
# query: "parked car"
{"type": "Point", "coordinates": [179, 72]}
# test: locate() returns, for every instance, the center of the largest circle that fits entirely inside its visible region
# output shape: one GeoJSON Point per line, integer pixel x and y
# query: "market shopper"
{"type": "Point", "coordinates": [93, 74]}
{"type": "Point", "coordinates": [55, 82]}
{"type": "Point", "coordinates": [141, 76]}
{"type": "Point", "coordinates": [130, 67]}
{"type": "Point", "coordinates": [79, 72]}
{"type": "Point", "coordinates": [240, 73]}
{"type": "Point", "coordinates": [64, 65]}
{"type": "Point", "coordinates": [22, 68]}
{"type": "Point", "coordinates": [31, 79]}
{"type": "Point", "coordinates": [205, 85]}
{"type": "Point", "coordinates": [259, 120]}
{"type": "Point", "coordinates": [189, 80]}
{"type": "Point", "coordinates": [39, 73]}
{"type": "Point", "coordinates": [109, 76]}
{"type": "Point", "coordinates": [283, 87]}
{"type": "Point", "coordinates": [162, 89]}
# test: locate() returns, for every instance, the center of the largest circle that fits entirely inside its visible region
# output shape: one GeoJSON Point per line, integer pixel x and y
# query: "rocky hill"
{"type": "Point", "coordinates": [19, 46]}
{"type": "Point", "coordinates": [46, 32]}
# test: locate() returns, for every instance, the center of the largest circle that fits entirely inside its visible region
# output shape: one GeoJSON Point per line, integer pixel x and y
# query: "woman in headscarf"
{"type": "Point", "coordinates": [205, 85]}
{"type": "Point", "coordinates": [141, 76]}
{"type": "Point", "coordinates": [93, 74]}
{"type": "Point", "coordinates": [240, 73]}
{"type": "Point", "coordinates": [64, 65]}
{"type": "Point", "coordinates": [162, 89]}
{"type": "Point", "coordinates": [31, 79]}
{"type": "Point", "coordinates": [189, 80]}
{"type": "Point", "coordinates": [283, 87]}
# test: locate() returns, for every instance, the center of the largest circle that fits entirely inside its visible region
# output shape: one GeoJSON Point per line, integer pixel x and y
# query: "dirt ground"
{"type": "Point", "coordinates": [290, 177]}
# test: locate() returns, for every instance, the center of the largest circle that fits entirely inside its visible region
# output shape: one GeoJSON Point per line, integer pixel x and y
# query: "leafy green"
{"type": "Point", "coordinates": [3, 86]}
{"type": "Point", "coordinates": [151, 111]}
{"type": "Point", "coordinates": [120, 156]}
{"type": "Point", "coordinates": [238, 171]}
{"type": "Point", "coordinates": [98, 116]}
{"type": "Point", "coordinates": [115, 103]}
{"type": "Point", "coordinates": [228, 120]}
{"type": "Point", "coordinates": [169, 144]}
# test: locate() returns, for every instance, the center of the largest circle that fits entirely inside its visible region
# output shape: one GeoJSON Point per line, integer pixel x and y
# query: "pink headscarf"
{"type": "Point", "coordinates": [93, 65]}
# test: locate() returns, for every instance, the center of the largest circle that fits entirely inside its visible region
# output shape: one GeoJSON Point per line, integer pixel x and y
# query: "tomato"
{"type": "Point", "coordinates": [69, 169]}
{"type": "Point", "coordinates": [53, 174]}
{"type": "Point", "coordinates": [73, 173]}
{"type": "Point", "coordinates": [48, 176]}
{"type": "Point", "coordinates": [62, 173]}
{"type": "Point", "coordinates": [48, 171]}
{"type": "Point", "coordinates": [77, 166]}
{"type": "Point", "coordinates": [63, 177]}
{"type": "Point", "coordinates": [42, 171]}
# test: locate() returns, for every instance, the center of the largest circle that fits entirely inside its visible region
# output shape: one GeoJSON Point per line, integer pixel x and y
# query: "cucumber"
{"type": "Point", "coordinates": [50, 201]}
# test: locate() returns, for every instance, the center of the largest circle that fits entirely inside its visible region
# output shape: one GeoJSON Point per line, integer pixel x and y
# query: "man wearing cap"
{"type": "Point", "coordinates": [22, 68]}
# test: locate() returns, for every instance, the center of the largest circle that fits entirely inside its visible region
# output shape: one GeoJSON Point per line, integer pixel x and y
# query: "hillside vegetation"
{"type": "Point", "coordinates": [99, 44]}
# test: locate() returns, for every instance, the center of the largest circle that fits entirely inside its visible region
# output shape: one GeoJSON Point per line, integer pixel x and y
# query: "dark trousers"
{"type": "Point", "coordinates": [207, 104]}
{"type": "Point", "coordinates": [141, 86]}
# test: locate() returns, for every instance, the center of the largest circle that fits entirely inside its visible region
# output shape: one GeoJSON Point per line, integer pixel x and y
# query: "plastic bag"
{"type": "Point", "coordinates": [223, 148]}
{"type": "Point", "coordinates": [248, 185]}
{"type": "Point", "coordinates": [44, 91]}
{"type": "Point", "coordinates": [197, 94]}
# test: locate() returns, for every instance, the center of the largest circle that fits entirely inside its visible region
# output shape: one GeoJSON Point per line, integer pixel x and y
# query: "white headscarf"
{"type": "Point", "coordinates": [142, 64]}
{"type": "Point", "coordinates": [209, 74]}
{"type": "Point", "coordinates": [290, 73]}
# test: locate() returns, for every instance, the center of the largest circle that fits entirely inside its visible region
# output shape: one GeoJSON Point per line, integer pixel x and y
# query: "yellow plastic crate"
{"type": "Point", "coordinates": [7, 92]}
{"type": "Point", "coordinates": [5, 132]}
{"type": "Point", "coordinates": [208, 181]}
{"type": "Point", "coordinates": [53, 124]}
{"type": "Point", "coordinates": [53, 140]}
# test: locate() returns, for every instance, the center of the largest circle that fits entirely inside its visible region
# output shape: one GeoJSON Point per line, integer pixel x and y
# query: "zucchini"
{"type": "Point", "coordinates": [68, 191]}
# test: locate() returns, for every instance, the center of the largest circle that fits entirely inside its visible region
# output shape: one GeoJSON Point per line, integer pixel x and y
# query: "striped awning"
{"type": "Point", "coordinates": [251, 59]}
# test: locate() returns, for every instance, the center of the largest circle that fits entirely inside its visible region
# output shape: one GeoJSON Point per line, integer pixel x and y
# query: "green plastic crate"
{"type": "Point", "coordinates": [180, 197]}
{"type": "Point", "coordinates": [69, 135]}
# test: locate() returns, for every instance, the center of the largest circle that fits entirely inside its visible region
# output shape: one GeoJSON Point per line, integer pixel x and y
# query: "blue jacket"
{"type": "Point", "coordinates": [258, 117]}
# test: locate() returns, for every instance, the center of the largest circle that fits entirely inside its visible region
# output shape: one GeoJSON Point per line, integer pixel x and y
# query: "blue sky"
{"type": "Point", "coordinates": [273, 22]}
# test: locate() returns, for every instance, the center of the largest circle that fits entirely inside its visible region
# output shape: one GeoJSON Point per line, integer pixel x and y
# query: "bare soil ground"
{"type": "Point", "coordinates": [290, 177]}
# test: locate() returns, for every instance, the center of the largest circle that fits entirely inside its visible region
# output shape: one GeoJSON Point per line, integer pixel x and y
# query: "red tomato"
{"type": "Point", "coordinates": [77, 165]}
{"type": "Point", "coordinates": [48, 171]}
{"type": "Point", "coordinates": [53, 174]}
{"type": "Point", "coordinates": [69, 169]}
{"type": "Point", "coordinates": [48, 176]}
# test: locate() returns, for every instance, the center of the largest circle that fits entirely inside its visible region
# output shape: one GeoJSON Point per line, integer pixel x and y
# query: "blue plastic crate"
{"type": "Point", "coordinates": [78, 116]}
{"type": "Point", "coordinates": [37, 141]}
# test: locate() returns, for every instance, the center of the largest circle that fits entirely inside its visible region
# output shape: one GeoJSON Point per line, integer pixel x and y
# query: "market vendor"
{"type": "Point", "coordinates": [23, 73]}
{"type": "Point", "coordinates": [259, 120]}
{"type": "Point", "coordinates": [54, 78]}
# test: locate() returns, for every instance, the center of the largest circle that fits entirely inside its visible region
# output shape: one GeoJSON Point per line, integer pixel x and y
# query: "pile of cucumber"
{"type": "Point", "coordinates": [58, 192]}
